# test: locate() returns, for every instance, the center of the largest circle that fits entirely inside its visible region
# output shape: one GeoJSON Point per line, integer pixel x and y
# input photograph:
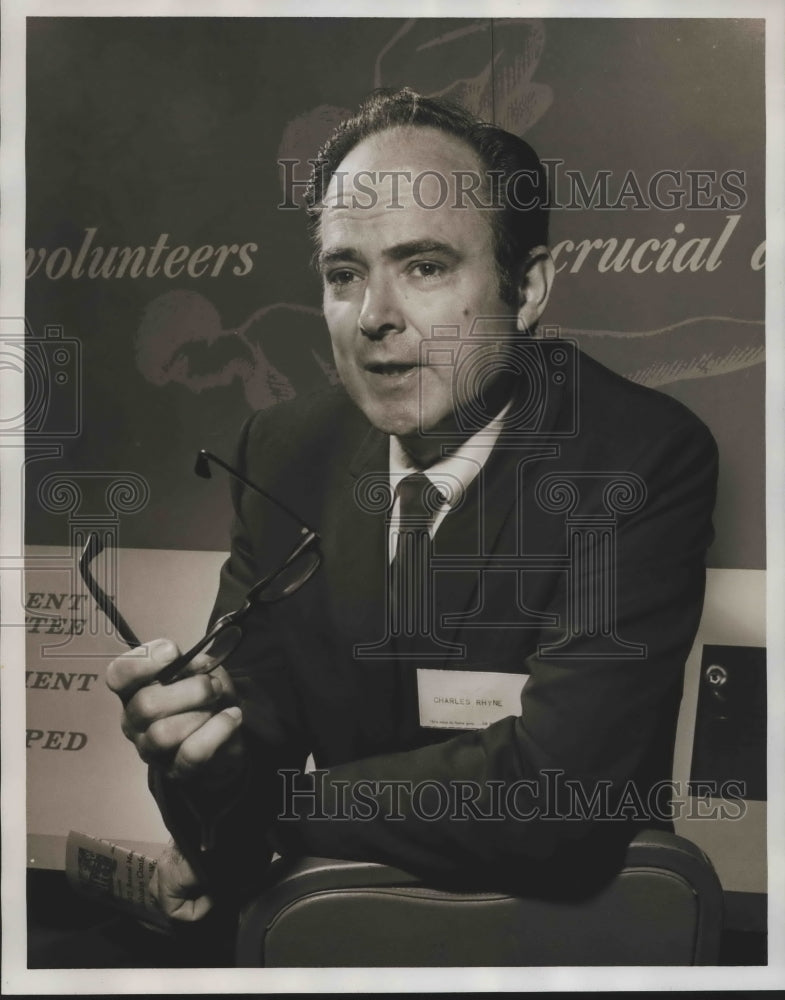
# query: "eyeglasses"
{"type": "Point", "coordinates": [227, 633]}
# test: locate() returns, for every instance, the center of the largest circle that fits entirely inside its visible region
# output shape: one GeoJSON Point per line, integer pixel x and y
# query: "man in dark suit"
{"type": "Point", "coordinates": [487, 665]}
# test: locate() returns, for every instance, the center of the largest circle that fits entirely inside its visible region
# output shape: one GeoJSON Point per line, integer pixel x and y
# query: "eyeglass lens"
{"type": "Point", "coordinates": [216, 651]}
{"type": "Point", "coordinates": [290, 577]}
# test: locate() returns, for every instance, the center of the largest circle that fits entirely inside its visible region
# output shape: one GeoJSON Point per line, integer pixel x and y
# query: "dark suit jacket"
{"type": "Point", "coordinates": [598, 497]}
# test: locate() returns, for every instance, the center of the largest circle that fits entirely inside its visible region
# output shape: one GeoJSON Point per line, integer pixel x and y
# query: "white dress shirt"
{"type": "Point", "coordinates": [451, 475]}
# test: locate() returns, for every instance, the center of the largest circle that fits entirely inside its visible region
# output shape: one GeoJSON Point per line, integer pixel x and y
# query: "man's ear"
{"type": "Point", "coordinates": [534, 287]}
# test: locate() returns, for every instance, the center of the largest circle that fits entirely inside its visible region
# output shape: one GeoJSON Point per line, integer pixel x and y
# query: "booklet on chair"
{"type": "Point", "coordinates": [115, 875]}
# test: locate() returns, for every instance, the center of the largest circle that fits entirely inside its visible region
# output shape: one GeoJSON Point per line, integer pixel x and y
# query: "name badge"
{"type": "Point", "coordinates": [467, 699]}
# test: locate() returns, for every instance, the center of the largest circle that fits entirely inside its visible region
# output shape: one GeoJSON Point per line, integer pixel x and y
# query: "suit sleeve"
{"type": "Point", "coordinates": [518, 790]}
{"type": "Point", "coordinates": [224, 836]}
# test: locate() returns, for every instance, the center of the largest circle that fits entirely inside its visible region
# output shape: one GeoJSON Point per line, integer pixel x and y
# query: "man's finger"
{"type": "Point", "coordinates": [162, 738]}
{"type": "Point", "coordinates": [138, 667]}
{"type": "Point", "coordinates": [188, 910]}
{"type": "Point", "coordinates": [156, 701]}
{"type": "Point", "coordinates": [202, 745]}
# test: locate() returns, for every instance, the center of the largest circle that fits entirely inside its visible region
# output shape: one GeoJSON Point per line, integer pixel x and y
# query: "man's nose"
{"type": "Point", "coordinates": [380, 313]}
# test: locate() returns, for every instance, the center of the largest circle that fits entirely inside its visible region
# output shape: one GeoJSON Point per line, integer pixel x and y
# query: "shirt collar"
{"type": "Point", "coordinates": [453, 474]}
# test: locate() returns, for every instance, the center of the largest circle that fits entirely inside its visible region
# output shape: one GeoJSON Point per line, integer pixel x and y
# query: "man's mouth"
{"type": "Point", "coordinates": [392, 369]}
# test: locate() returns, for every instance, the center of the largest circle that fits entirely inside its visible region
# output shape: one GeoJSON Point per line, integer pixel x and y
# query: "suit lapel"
{"type": "Point", "coordinates": [485, 528]}
{"type": "Point", "coordinates": [356, 548]}
{"type": "Point", "coordinates": [487, 524]}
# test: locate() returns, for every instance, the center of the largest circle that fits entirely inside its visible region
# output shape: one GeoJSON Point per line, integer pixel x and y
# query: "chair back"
{"type": "Point", "coordinates": [663, 908]}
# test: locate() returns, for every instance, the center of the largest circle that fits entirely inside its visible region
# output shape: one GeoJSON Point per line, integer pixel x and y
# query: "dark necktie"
{"type": "Point", "coordinates": [410, 576]}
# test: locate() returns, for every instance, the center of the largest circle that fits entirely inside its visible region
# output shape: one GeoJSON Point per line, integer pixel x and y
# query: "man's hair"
{"type": "Point", "coordinates": [519, 221]}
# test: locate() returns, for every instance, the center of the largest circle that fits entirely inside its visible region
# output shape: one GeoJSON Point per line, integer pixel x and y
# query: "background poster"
{"type": "Point", "coordinates": [166, 239]}
{"type": "Point", "coordinates": [167, 257]}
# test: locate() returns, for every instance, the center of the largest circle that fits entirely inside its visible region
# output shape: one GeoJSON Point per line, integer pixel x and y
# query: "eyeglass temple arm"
{"type": "Point", "coordinates": [308, 538]}
{"type": "Point", "coordinates": [94, 546]}
{"type": "Point", "coordinates": [174, 671]}
{"type": "Point", "coordinates": [202, 469]}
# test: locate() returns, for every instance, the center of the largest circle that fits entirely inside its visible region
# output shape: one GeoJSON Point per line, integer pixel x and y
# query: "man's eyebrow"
{"type": "Point", "coordinates": [400, 251]}
{"type": "Point", "coordinates": [417, 248]}
{"type": "Point", "coordinates": [337, 255]}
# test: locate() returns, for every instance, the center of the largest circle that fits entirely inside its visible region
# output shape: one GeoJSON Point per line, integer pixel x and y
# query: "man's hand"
{"type": "Point", "coordinates": [176, 888]}
{"type": "Point", "coordinates": [189, 728]}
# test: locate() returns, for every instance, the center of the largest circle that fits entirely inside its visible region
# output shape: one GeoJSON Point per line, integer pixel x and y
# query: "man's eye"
{"type": "Point", "coordinates": [427, 269]}
{"type": "Point", "coordinates": [341, 277]}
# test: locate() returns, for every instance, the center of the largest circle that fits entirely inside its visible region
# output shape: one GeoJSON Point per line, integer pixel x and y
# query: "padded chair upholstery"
{"type": "Point", "coordinates": [663, 908]}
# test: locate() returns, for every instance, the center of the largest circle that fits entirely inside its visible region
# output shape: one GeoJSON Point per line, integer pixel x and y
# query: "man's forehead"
{"type": "Point", "coordinates": [422, 221]}
{"type": "Point", "coordinates": [423, 166]}
{"type": "Point", "coordinates": [420, 144]}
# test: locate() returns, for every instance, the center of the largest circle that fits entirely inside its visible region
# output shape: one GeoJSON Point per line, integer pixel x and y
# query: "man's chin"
{"type": "Point", "coordinates": [399, 418]}
{"type": "Point", "coordinates": [401, 426]}
{"type": "Point", "coordinates": [415, 427]}
{"type": "Point", "coordinates": [422, 436]}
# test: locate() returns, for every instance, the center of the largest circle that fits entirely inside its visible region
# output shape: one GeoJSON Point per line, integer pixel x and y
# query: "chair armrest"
{"type": "Point", "coordinates": [651, 854]}
{"type": "Point", "coordinates": [670, 852]}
